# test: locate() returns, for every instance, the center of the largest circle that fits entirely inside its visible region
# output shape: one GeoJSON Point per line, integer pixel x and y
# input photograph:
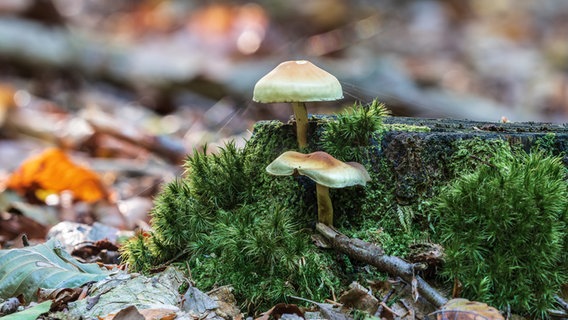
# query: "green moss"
{"type": "Point", "coordinates": [405, 127]}
{"type": "Point", "coordinates": [136, 252]}
{"type": "Point", "coordinates": [469, 154]}
{"type": "Point", "coordinates": [545, 143]}
{"type": "Point", "coordinates": [354, 133]}
{"type": "Point", "coordinates": [503, 226]}
{"type": "Point", "coordinates": [370, 213]}
{"type": "Point", "coordinates": [233, 224]}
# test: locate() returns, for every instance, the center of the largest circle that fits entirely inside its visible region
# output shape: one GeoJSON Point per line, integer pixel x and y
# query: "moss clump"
{"type": "Point", "coordinates": [371, 213]}
{"type": "Point", "coordinates": [233, 224]}
{"type": "Point", "coordinates": [405, 127]}
{"type": "Point", "coordinates": [354, 132]}
{"type": "Point", "coordinates": [503, 227]}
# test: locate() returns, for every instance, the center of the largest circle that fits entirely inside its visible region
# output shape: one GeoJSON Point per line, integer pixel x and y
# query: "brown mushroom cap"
{"type": "Point", "coordinates": [297, 81]}
{"type": "Point", "coordinates": [320, 167]}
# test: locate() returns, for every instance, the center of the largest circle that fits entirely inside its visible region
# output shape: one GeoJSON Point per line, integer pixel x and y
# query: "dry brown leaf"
{"type": "Point", "coordinates": [280, 309]}
{"type": "Point", "coordinates": [53, 172]}
{"type": "Point", "coordinates": [158, 314]}
{"type": "Point", "coordinates": [463, 309]}
{"type": "Point", "coordinates": [132, 312]}
{"type": "Point", "coordinates": [359, 298]}
{"type": "Point", "coordinates": [14, 225]}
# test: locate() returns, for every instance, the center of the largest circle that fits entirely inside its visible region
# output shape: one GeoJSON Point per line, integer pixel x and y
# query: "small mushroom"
{"type": "Point", "coordinates": [298, 82]}
{"type": "Point", "coordinates": [326, 171]}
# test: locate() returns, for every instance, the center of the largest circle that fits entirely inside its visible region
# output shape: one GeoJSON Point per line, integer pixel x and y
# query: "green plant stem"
{"type": "Point", "coordinates": [325, 208]}
{"type": "Point", "coordinates": [301, 115]}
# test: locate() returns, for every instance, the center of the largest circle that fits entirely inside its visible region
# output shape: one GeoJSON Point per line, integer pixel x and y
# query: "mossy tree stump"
{"type": "Point", "coordinates": [420, 160]}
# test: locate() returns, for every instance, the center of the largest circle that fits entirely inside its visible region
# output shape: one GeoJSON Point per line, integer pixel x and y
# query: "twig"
{"type": "Point", "coordinates": [391, 310]}
{"type": "Point", "coordinates": [409, 310]}
{"type": "Point", "coordinates": [558, 314]}
{"type": "Point", "coordinates": [482, 161]}
{"type": "Point", "coordinates": [383, 302]}
{"type": "Point", "coordinates": [374, 255]}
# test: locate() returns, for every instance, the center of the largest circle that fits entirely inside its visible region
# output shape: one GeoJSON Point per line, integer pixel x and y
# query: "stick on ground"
{"type": "Point", "coordinates": [374, 255]}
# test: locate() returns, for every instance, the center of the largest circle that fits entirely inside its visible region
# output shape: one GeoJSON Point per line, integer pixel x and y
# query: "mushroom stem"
{"type": "Point", "coordinates": [325, 209]}
{"type": "Point", "coordinates": [301, 115]}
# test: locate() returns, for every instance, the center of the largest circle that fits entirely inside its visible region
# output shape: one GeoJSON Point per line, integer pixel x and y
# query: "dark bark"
{"type": "Point", "coordinates": [374, 255]}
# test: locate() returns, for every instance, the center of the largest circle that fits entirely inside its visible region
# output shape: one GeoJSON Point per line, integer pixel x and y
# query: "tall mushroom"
{"type": "Point", "coordinates": [326, 171]}
{"type": "Point", "coordinates": [298, 82]}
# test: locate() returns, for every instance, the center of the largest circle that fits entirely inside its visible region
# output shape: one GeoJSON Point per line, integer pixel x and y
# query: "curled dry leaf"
{"type": "Point", "coordinates": [54, 172]}
{"type": "Point", "coordinates": [59, 296]}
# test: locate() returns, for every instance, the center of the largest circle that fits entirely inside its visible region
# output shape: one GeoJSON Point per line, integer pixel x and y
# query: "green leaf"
{"type": "Point", "coordinates": [48, 265]}
{"type": "Point", "coordinates": [31, 313]}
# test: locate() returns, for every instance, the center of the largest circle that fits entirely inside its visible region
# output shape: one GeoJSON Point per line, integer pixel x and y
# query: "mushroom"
{"type": "Point", "coordinates": [326, 171]}
{"type": "Point", "coordinates": [298, 82]}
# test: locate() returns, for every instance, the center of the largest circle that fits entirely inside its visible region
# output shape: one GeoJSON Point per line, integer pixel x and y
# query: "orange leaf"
{"type": "Point", "coordinates": [53, 171]}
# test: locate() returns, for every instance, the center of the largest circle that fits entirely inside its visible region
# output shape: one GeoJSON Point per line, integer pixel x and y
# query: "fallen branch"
{"type": "Point", "coordinates": [374, 255]}
{"type": "Point", "coordinates": [561, 302]}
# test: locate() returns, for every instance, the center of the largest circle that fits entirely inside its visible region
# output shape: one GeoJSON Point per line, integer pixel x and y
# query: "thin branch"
{"type": "Point", "coordinates": [374, 255]}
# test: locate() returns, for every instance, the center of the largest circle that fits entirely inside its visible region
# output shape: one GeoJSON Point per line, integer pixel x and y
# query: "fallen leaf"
{"type": "Point", "coordinates": [23, 271]}
{"type": "Point", "coordinates": [359, 298]}
{"type": "Point", "coordinates": [132, 313]}
{"type": "Point", "coordinates": [14, 225]}
{"type": "Point", "coordinates": [129, 312]}
{"type": "Point", "coordinates": [280, 309]}
{"type": "Point", "coordinates": [54, 172]}
{"type": "Point", "coordinates": [60, 296]}
{"type": "Point", "coordinates": [122, 290]}
{"type": "Point", "coordinates": [197, 301]}
{"type": "Point", "coordinates": [30, 313]}
{"type": "Point", "coordinates": [327, 310]}
{"type": "Point", "coordinates": [158, 314]}
{"type": "Point", "coordinates": [463, 309]}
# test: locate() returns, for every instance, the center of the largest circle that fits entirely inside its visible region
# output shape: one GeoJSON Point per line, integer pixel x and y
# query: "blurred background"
{"type": "Point", "coordinates": [90, 74]}
{"type": "Point", "coordinates": [129, 88]}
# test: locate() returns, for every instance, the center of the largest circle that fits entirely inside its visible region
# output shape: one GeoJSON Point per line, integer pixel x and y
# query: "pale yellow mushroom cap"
{"type": "Point", "coordinates": [320, 167]}
{"type": "Point", "coordinates": [297, 81]}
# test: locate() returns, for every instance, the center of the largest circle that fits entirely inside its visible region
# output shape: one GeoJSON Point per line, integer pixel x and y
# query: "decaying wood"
{"type": "Point", "coordinates": [374, 255]}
